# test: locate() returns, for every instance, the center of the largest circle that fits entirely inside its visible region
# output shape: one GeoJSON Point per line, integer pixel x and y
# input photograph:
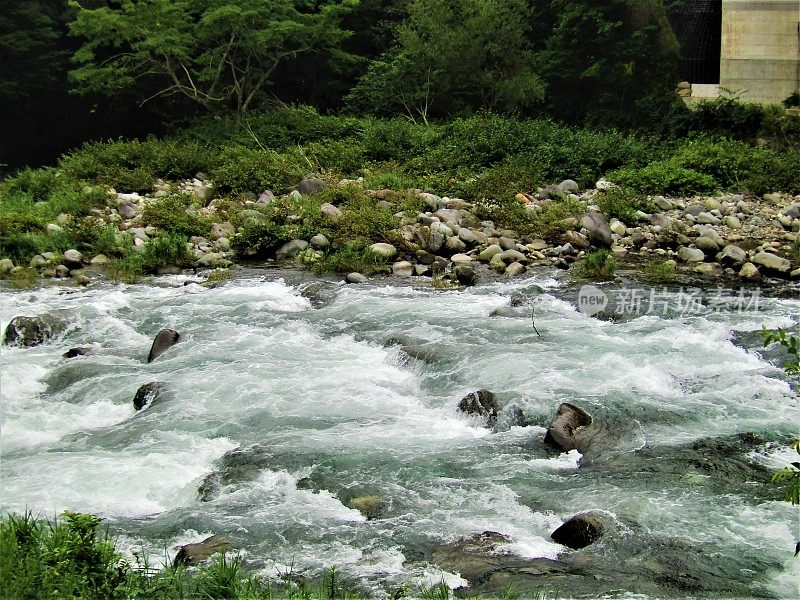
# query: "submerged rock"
{"type": "Point", "coordinates": [192, 554]}
{"type": "Point", "coordinates": [482, 403]}
{"type": "Point", "coordinates": [165, 339]}
{"type": "Point", "coordinates": [372, 507]}
{"type": "Point", "coordinates": [579, 531]}
{"type": "Point", "coordinates": [79, 351]}
{"type": "Point", "coordinates": [148, 394]}
{"type": "Point", "coordinates": [27, 332]}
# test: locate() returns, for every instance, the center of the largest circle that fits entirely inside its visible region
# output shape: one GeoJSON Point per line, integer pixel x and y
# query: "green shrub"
{"type": "Point", "coordinates": [725, 116]}
{"type": "Point", "coordinates": [395, 139]}
{"type": "Point", "coordinates": [597, 266]}
{"type": "Point", "coordinates": [352, 257]}
{"type": "Point", "coordinates": [661, 271]}
{"type": "Point", "coordinates": [503, 181]}
{"type": "Point", "coordinates": [38, 183]}
{"type": "Point", "coordinates": [134, 165]}
{"type": "Point", "coordinates": [622, 203]}
{"type": "Point", "coordinates": [363, 220]}
{"type": "Point", "coordinates": [239, 169]}
{"type": "Point", "coordinates": [127, 269]}
{"type": "Point", "coordinates": [549, 222]}
{"type": "Point", "coordinates": [665, 177]}
{"type": "Point", "coordinates": [258, 238]}
{"type": "Point", "coordinates": [166, 250]}
{"type": "Point", "coordinates": [344, 157]}
{"type": "Point", "coordinates": [389, 181]}
{"type": "Point", "coordinates": [169, 214]}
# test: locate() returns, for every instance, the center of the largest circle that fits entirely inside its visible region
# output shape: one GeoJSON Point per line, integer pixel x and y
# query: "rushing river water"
{"type": "Point", "coordinates": [325, 405]}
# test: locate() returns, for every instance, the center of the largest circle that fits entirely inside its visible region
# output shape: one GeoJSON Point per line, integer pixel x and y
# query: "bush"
{"type": "Point", "coordinates": [352, 257]}
{"type": "Point", "coordinates": [597, 266]}
{"type": "Point", "coordinates": [661, 272]}
{"type": "Point", "coordinates": [169, 214]}
{"type": "Point", "coordinates": [549, 222]}
{"type": "Point", "coordinates": [622, 203]}
{"type": "Point", "coordinates": [166, 250]}
{"type": "Point", "coordinates": [503, 181]}
{"type": "Point", "coordinates": [38, 183]}
{"type": "Point", "coordinates": [134, 165]}
{"type": "Point", "coordinates": [239, 169]}
{"type": "Point", "coordinates": [725, 116]}
{"type": "Point", "coordinates": [363, 220]}
{"type": "Point", "coordinates": [258, 238]}
{"type": "Point", "coordinates": [665, 177]}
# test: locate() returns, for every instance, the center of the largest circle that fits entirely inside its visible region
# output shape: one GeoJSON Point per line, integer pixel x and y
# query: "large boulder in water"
{"type": "Point", "coordinates": [165, 339]}
{"type": "Point", "coordinates": [579, 531]}
{"type": "Point", "coordinates": [563, 432]}
{"type": "Point", "coordinates": [148, 394]}
{"type": "Point", "coordinates": [32, 331]}
{"type": "Point", "coordinates": [482, 403]}
{"type": "Point", "coordinates": [192, 554]}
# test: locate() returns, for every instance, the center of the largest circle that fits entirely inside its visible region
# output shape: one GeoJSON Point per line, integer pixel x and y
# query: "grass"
{"type": "Point", "coordinates": [72, 557]}
{"type": "Point", "coordinates": [597, 266]}
{"type": "Point", "coordinates": [661, 272]}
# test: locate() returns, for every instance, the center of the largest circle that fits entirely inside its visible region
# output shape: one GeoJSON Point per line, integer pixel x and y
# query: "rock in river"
{"type": "Point", "coordinates": [148, 394]}
{"type": "Point", "coordinates": [165, 339]}
{"type": "Point", "coordinates": [482, 403]}
{"type": "Point", "coordinates": [192, 554]}
{"type": "Point", "coordinates": [32, 331]}
{"type": "Point", "coordinates": [579, 531]}
{"type": "Point", "coordinates": [562, 431]}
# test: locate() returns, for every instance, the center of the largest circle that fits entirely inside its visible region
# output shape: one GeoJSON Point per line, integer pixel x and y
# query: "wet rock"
{"type": "Point", "coordinates": [27, 332]}
{"type": "Point", "coordinates": [510, 416]}
{"type": "Point", "coordinates": [772, 262]}
{"type": "Point", "coordinates": [421, 353]}
{"type": "Point", "coordinates": [515, 269]}
{"type": "Point", "coordinates": [6, 264]}
{"type": "Point", "coordinates": [355, 278]}
{"type": "Point", "coordinates": [193, 554]}
{"type": "Point", "coordinates": [563, 431]}
{"type": "Point", "coordinates": [489, 252]}
{"type": "Point", "coordinates": [384, 250]}
{"type": "Point", "coordinates": [148, 394]}
{"type": "Point", "coordinates": [707, 245]}
{"type": "Point", "coordinates": [579, 531]}
{"type": "Point", "coordinates": [211, 260]}
{"type": "Point", "coordinates": [165, 339]}
{"type": "Point", "coordinates": [465, 274]}
{"type": "Point", "coordinates": [319, 242]}
{"type": "Point", "coordinates": [372, 507]}
{"type": "Point", "coordinates": [79, 351]}
{"type": "Point", "coordinates": [482, 403]}
{"type": "Point", "coordinates": [311, 186]}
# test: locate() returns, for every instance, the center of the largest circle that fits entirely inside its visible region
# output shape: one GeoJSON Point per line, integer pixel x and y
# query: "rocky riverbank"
{"type": "Point", "coordinates": [448, 241]}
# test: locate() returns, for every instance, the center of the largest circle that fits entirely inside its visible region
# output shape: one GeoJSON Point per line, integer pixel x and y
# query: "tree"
{"type": "Point", "coordinates": [614, 61]}
{"type": "Point", "coordinates": [219, 54]}
{"type": "Point", "coordinates": [452, 57]}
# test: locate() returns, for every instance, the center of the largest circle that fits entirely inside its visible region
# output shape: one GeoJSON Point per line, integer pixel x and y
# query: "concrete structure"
{"type": "Point", "coordinates": [760, 54]}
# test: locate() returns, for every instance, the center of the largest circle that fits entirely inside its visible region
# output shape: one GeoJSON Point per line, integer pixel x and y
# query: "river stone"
{"type": "Point", "coordinates": [127, 210]}
{"type": "Point", "coordinates": [100, 260]}
{"type": "Point", "coordinates": [291, 248]}
{"type": "Point", "coordinates": [461, 259]}
{"type": "Point", "coordinates": [384, 250]}
{"type": "Point", "coordinates": [38, 261]}
{"type": "Point", "coordinates": [690, 255]}
{"type": "Point", "coordinates": [482, 403]}
{"type": "Point", "coordinates": [211, 259]}
{"type": "Point", "coordinates": [78, 351]}
{"type": "Point", "coordinates": [467, 236]}
{"type": "Point", "coordinates": [311, 186]}
{"type": "Point", "coordinates": [372, 507]}
{"type": "Point", "coordinates": [598, 231]}
{"type": "Point", "coordinates": [732, 222]}
{"type": "Point", "coordinates": [27, 332]}
{"type": "Point", "coordinates": [148, 394]}
{"type": "Point", "coordinates": [355, 278]}
{"type": "Point", "coordinates": [222, 230]}
{"type": "Point", "coordinates": [568, 186]}
{"type": "Point", "coordinates": [73, 259]}
{"type": "Point", "coordinates": [319, 242]}
{"type": "Point", "coordinates": [6, 264]}
{"type": "Point", "coordinates": [707, 245]}
{"type": "Point", "coordinates": [749, 272]}
{"type": "Point", "coordinates": [489, 252]}
{"type": "Point", "coordinates": [579, 531]}
{"type": "Point", "coordinates": [617, 227]}
{"type": "Point", "coordinates": [192, 554]}
{"type": "Point", "coordinates": [330, 211]}
{"type": "Point", "coordinates": [733, 255]}
{"type": "Point", "coordinates": [455, 245]}
{"type": "Point", "coordinates": [515, 269]}
{"type": "Point", "coordinates": [772, 262]}
{"type": "Point", "coordinates": [165, 339]}
{"type": "Point", "coordinates": [707, 218]}
{"type": "Point", "coordinates": [561, 432]}
{"type": "Point", "coordinates": [402, 268]}
{"type": "Point", "coordinates": [465, 274]}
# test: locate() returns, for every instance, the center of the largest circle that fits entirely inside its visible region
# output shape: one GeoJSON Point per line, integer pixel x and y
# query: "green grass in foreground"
{"type": "Point", "coordinates": [71, 558]}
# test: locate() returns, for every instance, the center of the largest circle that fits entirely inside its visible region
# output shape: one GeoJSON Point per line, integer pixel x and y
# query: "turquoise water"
{"type": "Point", "coordinates": [324, 405]}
